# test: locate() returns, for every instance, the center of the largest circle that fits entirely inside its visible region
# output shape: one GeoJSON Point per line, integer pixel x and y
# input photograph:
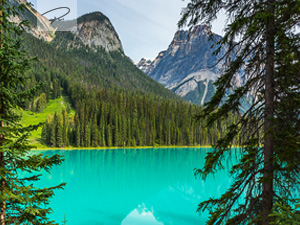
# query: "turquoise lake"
{"type": "Point", "coordinates": [132, 186]}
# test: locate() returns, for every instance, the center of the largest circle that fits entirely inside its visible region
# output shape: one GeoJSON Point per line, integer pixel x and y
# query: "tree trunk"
{"type": "Point", "coordinates": [268, 193]}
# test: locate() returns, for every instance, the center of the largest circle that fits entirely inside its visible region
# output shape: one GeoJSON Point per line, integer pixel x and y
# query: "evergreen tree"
{"type": "Point", "coordinates": [41, 102]}
{"type": "Point", "coordinates": [153, 129]}
{"type": "Point", "coordinates": [77, 131]}
{"type": "Point", "coordinates": [87, 135]}
{"type": "Point", "coordinates": [145, 121]}
{"type": "Point", "coordinates": [44, 133]}
{"type": "Point", "coordinates": [58, 130]}
{"type": "Point", "coordinates": [21, 202]}
{"type": "Point", "coordinates": [94, 132]}
{"type": "Point", "coordinates": [262, 43]}
{"type": "Point", "coordinates": [109, 136]}
{"type": "Point", "coordinates": [65, 128]}
{"type": "Point", "coordinates": [53, 133]}
{"type": "Point", "coordinates": [116, 131]}
{"type": "Point", "coordinates": [102, 128]}
{"type": "Point", "coordinates": [56, 88]}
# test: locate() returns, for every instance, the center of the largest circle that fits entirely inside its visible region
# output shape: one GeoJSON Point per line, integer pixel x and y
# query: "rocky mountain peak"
{"type": "Point", "coordinates": [144, 64]}
{"type": "Point", "coordinates": [189, 52]}
{"type": "Point", "coordinates": [95, 30]}
{"type": "Point", "coordinates": [35, 18]}
{"type": "Point", "coordinates": [188, 67]}
{"type": "Point", "coordinates": [183, 36]}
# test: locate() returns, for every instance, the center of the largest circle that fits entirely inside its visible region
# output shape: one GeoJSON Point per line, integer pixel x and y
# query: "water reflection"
{"type": "Point", "coordinates": [141, 215]}
{"type": "Point", "coordinates": [149, 186]}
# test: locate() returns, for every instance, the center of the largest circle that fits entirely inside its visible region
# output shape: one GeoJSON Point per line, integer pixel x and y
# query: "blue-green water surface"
{"type": "Point", "coordinates": [132, 186]}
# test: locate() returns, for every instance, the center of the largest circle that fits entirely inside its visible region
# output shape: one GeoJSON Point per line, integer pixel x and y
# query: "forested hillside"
{"type": "Point", "coordinates": [119, 118]}
{"type": "Point", "coordinates": [107, 100]}
{"type": "Point", "coordinates": [83, 64]}
{"type": "Point", "coordinates": [113, 107]}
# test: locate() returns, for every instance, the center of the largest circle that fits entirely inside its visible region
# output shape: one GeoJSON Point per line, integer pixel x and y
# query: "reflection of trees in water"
{"type": "Point", "coordinates": [131, 167]}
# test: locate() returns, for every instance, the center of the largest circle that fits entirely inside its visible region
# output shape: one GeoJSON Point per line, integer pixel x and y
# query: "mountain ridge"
{"type": "Point", "coordinates": [109, 101]}
{"type": "Point", "coordinates": [189, 66]}
{"type": "Point", "coordinates": [94, 30]}
{"type": "Point", "coordinates": [92, 46]}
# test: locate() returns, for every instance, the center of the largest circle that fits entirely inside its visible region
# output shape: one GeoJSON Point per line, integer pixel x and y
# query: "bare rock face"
{"type": "Point", "coordinates": [144, 64]}
{"type": "Point", "coordinates": [188, 67]}
{"type": "Point", "coordinates": [34, 18]}
{"type": "Point", "coordinates": [94, 29]}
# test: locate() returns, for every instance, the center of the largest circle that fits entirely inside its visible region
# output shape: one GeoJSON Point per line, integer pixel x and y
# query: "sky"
{"type": "Point", "coordinates": [145, 27]}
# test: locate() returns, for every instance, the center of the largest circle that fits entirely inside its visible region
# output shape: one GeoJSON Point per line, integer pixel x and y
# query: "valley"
{"type": "Point", "coordinates": [111, 103]}
{"type": "Point", "coordinates": [208, 131]}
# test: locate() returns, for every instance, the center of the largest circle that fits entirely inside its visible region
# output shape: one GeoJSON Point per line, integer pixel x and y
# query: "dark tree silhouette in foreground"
{"type": "Point", "coordinates": [263, 45]}
{"type": "Point", "coordinates": [20, 201]}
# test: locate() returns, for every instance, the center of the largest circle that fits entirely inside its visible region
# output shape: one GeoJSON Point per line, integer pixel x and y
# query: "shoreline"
{"type": "Point", "coordinates": [114, 148]}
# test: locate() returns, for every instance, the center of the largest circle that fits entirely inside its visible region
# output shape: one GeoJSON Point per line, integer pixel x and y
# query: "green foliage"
{"type": "Point", "coordinates": [28, 117]}
{"type": "Point", "coordinates": [135, 119]}
{"type": "Point", "coordinates": [261, 42]}
{"type": "Point", "coordinates": [41, 102]}
{"type": "Point", "coordinates": [284, 214]}
{"type": "Point", "coordinates": [20, 201]}
{"type": "Point", "coordinates": [116, 104]}
{"type": "Point", "coordinates": [61, 65]}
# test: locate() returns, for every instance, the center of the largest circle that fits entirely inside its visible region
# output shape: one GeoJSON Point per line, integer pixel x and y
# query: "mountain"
{"type": "Point", "coordinates": [144, 64]}
{"type": "Point", "coordinates": [88, 51]}
{"type": "Point", "coordinates": [93, 95]}
{"type": "Point", "coordinates": [38, 23]}
{"type": "Point", "coordinates": [93, 30]}
{"type": "Point", "coordinates": [188, 67]}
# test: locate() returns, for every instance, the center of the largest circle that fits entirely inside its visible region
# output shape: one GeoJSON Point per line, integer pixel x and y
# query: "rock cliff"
{"type": "Point", "coordinates": [93, 29]}
{"type": "Point", "coordinates": [188, 67]}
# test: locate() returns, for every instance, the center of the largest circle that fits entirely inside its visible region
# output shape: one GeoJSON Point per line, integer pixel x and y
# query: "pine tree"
{"type": "Point", "coordinates": [44, 133]}
{"type": "Point", "coordinates": [77, 131]}
{"type": "Point", "coordinates": [109, 136]}
{"type": "Point", "coordinates": [123, 122]}
{"type": "Point", "coordinates": [94, 132]}
{"type": "Point", "coordinates": [102, 128]}
{"type": "Point", "coordinates": [56, 88]}
{"type": "Point", "coordinates": [21, 202]}
{"type": "Point", "coordinates": [262, 43]}
{"type": "Point", "coordinates": [153, 128]}
{"type": "Point", "coordinates": [87, 135]}
{"type": "Point", "coordinates": [58, 130]}
{"type": "Point", "coordinates": [116, 130]}
{"type": "Point", "coordinates": [82, 126]}
{"type": "Point", "coordinates": [65, 128]}
{"type": "Point", "coordinates": [52, 141]}
{"type": "Point", "coordinates": [134, 123]}
{"type": "Point", "coordinates": [41, 102]}
{"type": "Point", "coordinates": [129, 133]}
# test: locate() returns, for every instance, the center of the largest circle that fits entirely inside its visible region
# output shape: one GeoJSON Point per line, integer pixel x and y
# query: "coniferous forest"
{"type": "Point", "coordinates": [119, 118]}
{"type": "Point", "coordinates": [108, 102]}
{"type": "Point", "coordinates": [110, 111]}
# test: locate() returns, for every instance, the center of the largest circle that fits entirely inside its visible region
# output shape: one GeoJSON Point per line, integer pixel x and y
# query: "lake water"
{"type": "Point", "coordinates": [132, 186]}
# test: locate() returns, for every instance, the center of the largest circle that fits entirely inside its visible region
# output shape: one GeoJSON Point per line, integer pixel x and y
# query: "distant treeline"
{"type": "Point", "coordinates": [123, 118]}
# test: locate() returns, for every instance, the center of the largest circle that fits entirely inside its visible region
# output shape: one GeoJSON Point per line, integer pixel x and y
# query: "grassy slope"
{"type": "Point", "coordinates": [31, 118]}
{"type": "Point", "coordinates": [57, 105]}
